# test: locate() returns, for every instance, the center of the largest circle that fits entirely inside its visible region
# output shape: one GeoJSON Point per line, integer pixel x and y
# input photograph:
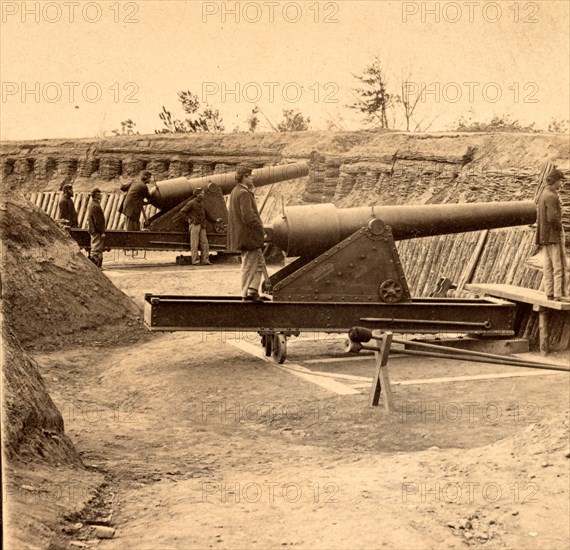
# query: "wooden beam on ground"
{"type": "Point", "coordinates": [297, 370]}
{"type": "Point", "coordinates": [473, 378]}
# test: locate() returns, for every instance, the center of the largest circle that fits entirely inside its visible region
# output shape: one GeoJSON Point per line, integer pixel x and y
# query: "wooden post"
{"type": "Point", "coordinates": [382, 379]}
{"type": "Point", "coordinates": [542, 328]}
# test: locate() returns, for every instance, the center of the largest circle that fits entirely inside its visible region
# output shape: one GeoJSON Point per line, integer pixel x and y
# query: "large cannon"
{"type": "Point", "coordinates": [349, 254]}
{"type": "Point", "coordinates": [170, 193]}
{"type": "Point", "coordinates": [348, 273]}
{"type": "Point", "coordinates": [168, 229]}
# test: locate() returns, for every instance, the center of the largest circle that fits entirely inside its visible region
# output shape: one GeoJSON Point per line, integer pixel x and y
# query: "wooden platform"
{"type": "Point", "coordinates": [518, 294]}
{"type": "Point", "coordinates": [539, 304]}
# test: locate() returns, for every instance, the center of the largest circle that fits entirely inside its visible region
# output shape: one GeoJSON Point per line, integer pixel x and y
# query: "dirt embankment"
{"type": "Point", "coordinates": [52, 297]}
{"type": "Point", "coordinates": [52, 294]}
{"type": "Point", "coordinates": [32, 426]}
{"type": "Point", "coordinates": [397, 167]}
{"type": "Point", "coordinates": [347, 168]}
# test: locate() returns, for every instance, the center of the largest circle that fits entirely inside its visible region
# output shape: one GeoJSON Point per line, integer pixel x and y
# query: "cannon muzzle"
{"type": "Point", "coordinates": [169, 193]}
{"type": "Point", "coordinates": [312, 229]}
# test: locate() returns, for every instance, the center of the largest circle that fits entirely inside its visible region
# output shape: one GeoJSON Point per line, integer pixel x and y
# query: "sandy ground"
{"type": "Point", "coordinates": [191, 442]}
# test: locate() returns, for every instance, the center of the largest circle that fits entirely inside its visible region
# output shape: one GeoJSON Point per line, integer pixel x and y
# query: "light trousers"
{"type": "Point", "coordinates": [252, 266]}
{"type": "Point", "coordinates": [199, 241]}
{"type": "Point", "coordinates": [553, 270]}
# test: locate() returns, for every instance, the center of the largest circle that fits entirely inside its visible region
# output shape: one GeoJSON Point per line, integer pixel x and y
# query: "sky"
{"type": "Point", "coordinates": [77, 69]}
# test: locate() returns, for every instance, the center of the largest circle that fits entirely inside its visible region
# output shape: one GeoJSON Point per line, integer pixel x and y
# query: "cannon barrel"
{"type": "Point", "coordinates": [312, 229]}
{"type": "Point", "coordinates": [169, 193]}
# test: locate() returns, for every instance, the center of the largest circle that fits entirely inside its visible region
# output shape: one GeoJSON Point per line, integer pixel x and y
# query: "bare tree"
{"type": "Point", "coordinates": [411, 95]}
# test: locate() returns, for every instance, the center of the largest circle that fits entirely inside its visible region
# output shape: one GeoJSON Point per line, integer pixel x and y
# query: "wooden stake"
{"type": "Point", "coordinates": [381, 378]}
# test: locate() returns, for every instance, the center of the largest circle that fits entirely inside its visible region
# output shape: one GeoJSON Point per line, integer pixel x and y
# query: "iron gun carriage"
{"type": "Point", "coordinates": [347, 273]}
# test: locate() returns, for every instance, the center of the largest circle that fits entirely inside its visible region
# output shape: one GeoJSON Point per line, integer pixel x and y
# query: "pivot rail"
{"type": "Point", "coordinates": [147, 240]}
{"type": "Point", "coordinates": [275, 321]}
{"type": "Point", "coordinates": [425, 315]}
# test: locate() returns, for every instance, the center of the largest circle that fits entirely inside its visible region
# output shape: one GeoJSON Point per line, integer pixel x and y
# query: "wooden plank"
{"type": "Point", "coordinates": [360, 357]}
{"type": "Point", "coordinates": [82, 210]}
{"type": "Point", "coordinates": [518, 294]}
{"type": "Point", "coordinates": [51, 201]}
{"type": "Point", "coordinates": [350, 377]}
{"type": "Point", "coordinates": [114, 215]}
{"type": "Point", "coordinates": [42, 198]}
{"type": "Point", "coordinates": [54, 207]}
{"type": "Point", "coordinates": [297, 370]}
{"type": "Point", "coordinates": [382, 379]}
{"type": "Point", "coordinates": [473, 378]}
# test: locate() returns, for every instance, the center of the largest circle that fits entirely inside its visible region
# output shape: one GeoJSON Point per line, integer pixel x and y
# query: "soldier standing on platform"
{"type": "Point", "coordinates": [245, 233]}
{"type": "Point", "coordinates": [550, 235]}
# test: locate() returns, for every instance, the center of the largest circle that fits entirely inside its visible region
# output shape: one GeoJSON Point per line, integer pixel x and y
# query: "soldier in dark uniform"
{"type": "Point", "coordinates": [195, 213]}
{"type": "Point", "coordinates": [96, 226]}
{"type": "Point", "coordinates": [245, 233]}
{"type": "Point", "coordinates": [66, 208]}
{"type": "Point", "coordinates": [137, 194]}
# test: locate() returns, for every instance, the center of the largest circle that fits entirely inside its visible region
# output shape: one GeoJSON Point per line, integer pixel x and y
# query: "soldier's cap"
{"type": "Point", "coordinates": [244, 169]}
{"type": "Point", "coordinates": [96, 192]}
{"type": "Point", "coordinates": [67, 186]}
{"type": "Point", "coordinates": [197, 191]}
{"type": "Point", "coordinates": [554, 176]}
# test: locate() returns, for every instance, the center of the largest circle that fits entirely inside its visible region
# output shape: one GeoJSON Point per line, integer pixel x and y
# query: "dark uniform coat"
{"type": "Point", "coordinates": [95, 218]}
{"type": "Point", "coordinates": [245, 228]}
{"type": "Point", "coordinates": [195, 212]}
{"type": "Point", "coordinates": [66, 211]}
{"type": "Point", "coordinates": [549, 218]}
{"type": "Point", "coordinates": [134, 201]}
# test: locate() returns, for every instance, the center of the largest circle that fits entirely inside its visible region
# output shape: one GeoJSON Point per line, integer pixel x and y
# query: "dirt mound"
{"type": "Point", "coordinates": [53, 295]}
{"type": "Point", "coordinates": [32, 426]}
{"type": "Point", "coordinates": [548, 437]}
